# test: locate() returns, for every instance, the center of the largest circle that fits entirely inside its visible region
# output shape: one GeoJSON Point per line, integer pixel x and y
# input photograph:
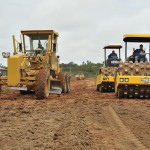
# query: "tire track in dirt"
{"type": "Point", "coordinates": [83, 126]}
{"type": "Point", "coordinates": [124, 139]}
{"type": "Point", "coordinates": [72, 133]}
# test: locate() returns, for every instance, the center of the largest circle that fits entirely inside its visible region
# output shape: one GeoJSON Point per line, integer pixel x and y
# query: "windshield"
{"type": "Point", "coordinates": [42, 42]}
{"type": "Point", "coordinates": [35, 41]}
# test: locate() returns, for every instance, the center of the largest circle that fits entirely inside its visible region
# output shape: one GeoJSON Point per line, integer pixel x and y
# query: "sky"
{"type": "Point", "coordinates": [84, 26]}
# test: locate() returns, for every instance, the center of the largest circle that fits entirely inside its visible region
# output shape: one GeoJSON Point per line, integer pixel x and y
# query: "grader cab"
{"type": "Point", "coordinates": [34, 65]}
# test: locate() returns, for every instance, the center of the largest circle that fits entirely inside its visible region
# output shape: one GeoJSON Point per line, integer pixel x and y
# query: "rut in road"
{"type": "Point", "coordinates": [124, 139]}
{"type": "Point", "coordinates": [83, 126]}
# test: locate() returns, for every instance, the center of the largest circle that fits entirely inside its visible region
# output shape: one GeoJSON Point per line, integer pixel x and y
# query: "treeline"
{"type": "Point", "coordinates": [88, 68]}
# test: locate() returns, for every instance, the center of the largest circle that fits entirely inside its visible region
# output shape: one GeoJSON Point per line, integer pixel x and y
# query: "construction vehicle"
{"type": "Point", "coordinates": [133, 77]}
{"type": "Point", "coordinates": [3, 70]}
{"type": "Point", "coordinates": [106, 75]}
{"type": "Point", "coordinates": [80, 76]}
{"type": "Point", "coordinates": [34, 66]}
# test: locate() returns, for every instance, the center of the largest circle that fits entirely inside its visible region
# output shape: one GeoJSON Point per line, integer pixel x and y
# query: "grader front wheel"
{"type": "Point", "coordinates": [42, 84]}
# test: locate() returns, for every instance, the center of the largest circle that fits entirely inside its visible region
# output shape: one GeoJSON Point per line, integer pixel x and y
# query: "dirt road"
{"type": "Point", "coordinates": [84, 119]}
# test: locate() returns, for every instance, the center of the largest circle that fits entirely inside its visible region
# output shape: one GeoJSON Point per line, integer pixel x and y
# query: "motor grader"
{"type": "Point", "coordinates": [34, 66]}
{"type": "Point", "coordinates": [133, 77]}
{"type": "Point", "coordinates": [105, 77]}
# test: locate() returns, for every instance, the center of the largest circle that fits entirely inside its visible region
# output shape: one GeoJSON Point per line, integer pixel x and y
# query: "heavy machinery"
{"type": "Point", "coordinates": [80, 76]}
{"type": "Point", "coordinates": [3, 70]}
{"type": "Point", "coordinates": [105, 76]}
{"type": "Point", "coordinates": [34, 66]}
{"type": "Point", "coordinates": [133, 77]}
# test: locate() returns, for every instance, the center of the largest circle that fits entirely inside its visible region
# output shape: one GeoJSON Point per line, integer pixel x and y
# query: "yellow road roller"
{"type": "Point", "coordinates": [105, 76]}
{"type": "Point", "coordinates": [133, 76]}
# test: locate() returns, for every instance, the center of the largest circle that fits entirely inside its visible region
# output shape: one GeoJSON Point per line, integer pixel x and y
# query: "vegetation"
{"type": "Point", "coordinates": [88, 68]}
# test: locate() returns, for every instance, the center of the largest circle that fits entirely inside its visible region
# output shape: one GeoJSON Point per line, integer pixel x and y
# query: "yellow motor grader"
{"type": "Point", "coordinates": [133, 76]}
{"type": "Point", "coordinates": [105, 78]}
{"type": "Point", "coordinates": [34, 66]}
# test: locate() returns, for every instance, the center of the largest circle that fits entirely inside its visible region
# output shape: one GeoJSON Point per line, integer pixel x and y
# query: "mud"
{"type": "Point", "coordinates": [80, 120]}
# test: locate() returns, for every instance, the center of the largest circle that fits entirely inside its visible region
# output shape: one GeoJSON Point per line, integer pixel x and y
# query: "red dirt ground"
{"type": "Point", "coordinates": [75, 121]}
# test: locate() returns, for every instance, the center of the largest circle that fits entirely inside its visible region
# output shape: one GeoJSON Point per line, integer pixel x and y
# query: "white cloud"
{"type": "Point", "coordinates": [85, 26]}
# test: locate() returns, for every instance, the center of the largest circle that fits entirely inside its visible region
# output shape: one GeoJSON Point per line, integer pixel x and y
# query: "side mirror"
{"type": "Point", "coordinates": [20, 47]}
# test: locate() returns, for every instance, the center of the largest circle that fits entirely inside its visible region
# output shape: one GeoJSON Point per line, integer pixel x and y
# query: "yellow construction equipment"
{"type": "Point", "coordinates": [105, 77]}
{"type": "Point", "coordinates": [133, 77]}
{"type": "Point", "coordinates": [34, 65]}
{"type": "Point", "coordinates": [80, 76]}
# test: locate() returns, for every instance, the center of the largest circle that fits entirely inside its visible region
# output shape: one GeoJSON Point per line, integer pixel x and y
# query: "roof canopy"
{"type": "Point", "coordinates": [136, 38]}
{"type": "Point", "coordinates": [112, 46]}
{"type": "Point", "coordinates": [43, 34]}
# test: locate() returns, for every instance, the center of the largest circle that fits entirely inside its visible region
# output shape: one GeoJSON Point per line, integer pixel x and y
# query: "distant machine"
{"type": "Point", "coordinates": [80, 76]}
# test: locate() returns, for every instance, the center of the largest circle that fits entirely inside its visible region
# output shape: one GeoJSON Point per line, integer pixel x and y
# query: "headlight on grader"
{"type": "Point", "coordinates": [5, 54]}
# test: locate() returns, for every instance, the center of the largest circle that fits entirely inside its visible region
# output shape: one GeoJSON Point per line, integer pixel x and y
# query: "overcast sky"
{"type": "Point", "coordinates": [84, 26]}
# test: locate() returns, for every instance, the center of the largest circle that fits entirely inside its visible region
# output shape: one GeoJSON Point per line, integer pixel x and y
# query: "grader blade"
{"type": "Point", "coordinates": [55, 87]}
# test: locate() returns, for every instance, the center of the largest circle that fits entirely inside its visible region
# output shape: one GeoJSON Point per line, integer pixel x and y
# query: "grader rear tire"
{"type": "Point", "coordinates": [64, 85]}
{"type": "Point", "coordinates": [65, 82]}
{"type": "Point", "coordinates": [42, 84]}
{"type": "Point", "coordinates": [68, 84]}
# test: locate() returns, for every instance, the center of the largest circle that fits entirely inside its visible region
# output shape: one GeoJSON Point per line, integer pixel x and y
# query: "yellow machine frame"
{"type": "Point", "coordinates": [102, 79]}
{"type": "Point", "coordinates": [23, 69]}
{"type": "Point", "coordinates": [132, 80]}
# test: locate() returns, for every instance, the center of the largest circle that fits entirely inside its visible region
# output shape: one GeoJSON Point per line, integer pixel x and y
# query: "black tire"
{"type": "Point", "coordinates": [0, 88]}
{"type": "Point", "coordinates": [68, 84]}
{"type": "Point", "coordinates": [23, 92]}
{"type": "Point", "coordinates": [64, 85]}
{"type": "Point", "coordinates": [101, 89]}
{"type": "Point", "coordinates": [97, 87]}
{"type": "Point", "coordinates": [120, 93]}
{"type": "Point", "coordinates": [42, 84]}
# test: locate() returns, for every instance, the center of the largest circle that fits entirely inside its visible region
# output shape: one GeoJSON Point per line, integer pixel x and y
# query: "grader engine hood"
{"type": "Point", "coordinates": [14, 65]}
